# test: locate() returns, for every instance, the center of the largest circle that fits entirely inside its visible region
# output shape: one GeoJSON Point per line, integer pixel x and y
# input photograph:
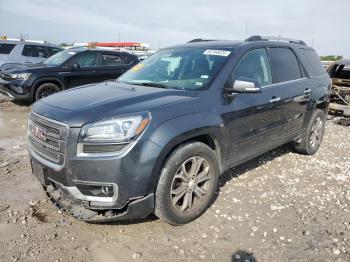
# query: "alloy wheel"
{"type": "Point", "coordinates": [47, 91]}
{"type": "Point", "coordinates": [190, 183]}
{"type": "Point", "coordinates": [316, 132]}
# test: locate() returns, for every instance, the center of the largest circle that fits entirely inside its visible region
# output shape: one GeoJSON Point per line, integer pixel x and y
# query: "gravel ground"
{"type": "Point", "coordinates": [279, 207]}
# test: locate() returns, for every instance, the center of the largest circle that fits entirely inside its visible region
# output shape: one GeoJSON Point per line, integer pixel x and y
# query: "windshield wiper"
{"type": "Point", "coordinates": [152, 84]}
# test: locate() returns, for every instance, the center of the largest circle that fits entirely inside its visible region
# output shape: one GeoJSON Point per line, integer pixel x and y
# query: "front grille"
{"type": "Point", "coordinates": [47, 138]}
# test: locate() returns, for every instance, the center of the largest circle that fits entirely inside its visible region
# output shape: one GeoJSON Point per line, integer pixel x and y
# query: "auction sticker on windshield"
{"type": "Point", "coordinates": [216, 52]}
{"type": "Point", "coordinates": [137, 67]}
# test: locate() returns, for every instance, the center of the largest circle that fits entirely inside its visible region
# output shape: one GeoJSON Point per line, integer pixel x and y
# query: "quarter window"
{"type": "Point", "coordinates": [313, 62]}
{"type": "Point", "coordinates": [285, 64]}
{"type": "Point", "coordinates": [109, 59]}
{"type": "Point", "coordinates": [254, 65]}
{"type": "Point", "coordinates": [35, 51]}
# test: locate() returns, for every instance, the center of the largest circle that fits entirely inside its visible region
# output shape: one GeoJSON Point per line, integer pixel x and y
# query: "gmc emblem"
{"type": "Point", "coordinates": [38, 132]}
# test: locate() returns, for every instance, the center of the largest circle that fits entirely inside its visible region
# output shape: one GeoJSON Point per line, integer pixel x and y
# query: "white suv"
{"type": "Point", "coordinates": [19, 52]}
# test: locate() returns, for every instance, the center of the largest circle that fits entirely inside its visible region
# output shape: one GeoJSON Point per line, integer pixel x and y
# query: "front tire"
{"type": "Point", "coordinates": [312, 137]}
{"type": "Point", "coordinates": [45, 90]}
{"type": "Point", "coordinates": [187, 184]}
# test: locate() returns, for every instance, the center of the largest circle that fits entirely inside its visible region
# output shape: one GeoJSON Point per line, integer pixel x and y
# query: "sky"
{"type": "Point", "coordinates": [323, 24]}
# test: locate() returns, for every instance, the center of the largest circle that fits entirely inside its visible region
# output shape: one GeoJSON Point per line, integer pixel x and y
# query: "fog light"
{"type": "Point", "coordinates": [96, 190]}
{"type": "Point", "coordinates": [107, 190]}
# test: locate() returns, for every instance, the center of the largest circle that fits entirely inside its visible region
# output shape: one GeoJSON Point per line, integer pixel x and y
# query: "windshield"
{"type": "Point", "coordinates": [59, 58]}
{"type": "Point", "coordinates": [178, 68]}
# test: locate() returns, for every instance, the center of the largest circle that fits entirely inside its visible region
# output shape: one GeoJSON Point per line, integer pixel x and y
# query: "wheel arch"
{"type": "Point", "coordinates": [42, 80]}
{"type": "Point", "coordinates": [207, 134]}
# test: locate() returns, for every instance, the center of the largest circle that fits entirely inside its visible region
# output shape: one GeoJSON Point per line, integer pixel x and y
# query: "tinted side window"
{"type": "Point", "coordinates": [111, 59]}
{"type": "Point", "coordinates": [34, 51]}
{"type": "Point", "coordinates": [128, 59]}
{"type": "Point", "coordinates": [313, 62]}
{"type": "Point", "coordinates": [254, 65]}
{"type": "Point", "coordinates": [6, 48]}
{"type": "Point", "coordinates": [53, 50]}
{"type": "Point", "coordinates": [87, 59]}
{"type": "Point", "coordinates": [284, 64]}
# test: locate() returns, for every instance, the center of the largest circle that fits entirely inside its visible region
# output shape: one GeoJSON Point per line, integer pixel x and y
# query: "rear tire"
{"type": "Point", "coordinates": [45, 90]}
{"type": "Point", "coordinates": [312, 137]}
{"type": "Point", "coordinates": [187, 183]}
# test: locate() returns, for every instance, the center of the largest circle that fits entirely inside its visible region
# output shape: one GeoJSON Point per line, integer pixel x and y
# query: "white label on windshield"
{"type": "Point", "coordinates": [72, 53]}
{"type": "Point", "coordinates": [198, 83]}
{"type": "Point", "coordinates": [204, 76]}
{"type": "Point", "coordinates": [216, 52]}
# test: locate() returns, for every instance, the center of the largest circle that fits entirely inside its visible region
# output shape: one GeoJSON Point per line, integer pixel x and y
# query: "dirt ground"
{"type": "Point", "coordinates": [279, 207]}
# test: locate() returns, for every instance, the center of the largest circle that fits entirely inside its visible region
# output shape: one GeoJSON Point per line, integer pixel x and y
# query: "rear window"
{"type": "Point", "coordinates": [6, 48]}
{"type": "Point", "coordinates": [312, 62]}
{"type": "Point", "coordinates": [285, 64]}
{"type": "Point", "coordinates": [53, 50]}
{"type": "Point", "coordinates": [111, 59]}
{"type": "Point", "coordinates": [128, 59]}
{"type": "Point", "coordinates": [35, 51]}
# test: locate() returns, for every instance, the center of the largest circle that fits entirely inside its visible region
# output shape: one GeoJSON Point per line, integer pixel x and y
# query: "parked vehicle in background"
{"type": "Point", "coordinates": [157, 139]}
{"type": "Point", "coordinates": [64, 70]}
{"type": "Point", "coordinates": [339, 71]}
{"type": "Point", "coordinates": [22, 52]}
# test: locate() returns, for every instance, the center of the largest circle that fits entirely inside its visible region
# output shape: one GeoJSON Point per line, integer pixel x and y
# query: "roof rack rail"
{"type": "Point", "coordinates": [200, 40]}
{"type": "Point", "coordinates": [255, 38]}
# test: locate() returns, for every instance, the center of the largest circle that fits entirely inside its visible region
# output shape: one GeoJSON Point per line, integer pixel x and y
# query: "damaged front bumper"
{"type": "Point", "coordinates": [135, 209]}
{"type": "Point", "coordinates": [91, 209]}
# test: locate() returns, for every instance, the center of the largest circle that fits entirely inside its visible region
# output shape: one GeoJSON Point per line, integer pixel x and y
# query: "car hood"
{"type": "Point", "coordinates": [26, 68]}
{"type": "Point", "coordinates": [90, 103]}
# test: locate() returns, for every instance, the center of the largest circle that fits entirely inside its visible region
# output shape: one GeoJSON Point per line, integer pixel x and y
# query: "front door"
{"type": "Point", "coordinates": [85, 74]}
{"type": "Point", "coordinates": [253, 118]}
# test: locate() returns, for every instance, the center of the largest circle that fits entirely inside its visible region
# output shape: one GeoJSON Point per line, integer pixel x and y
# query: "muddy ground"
{"type": "Point", "coordinates": [279, 207]}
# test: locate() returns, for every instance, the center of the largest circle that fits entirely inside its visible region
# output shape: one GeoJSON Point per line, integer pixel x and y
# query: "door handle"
{"type": "Point", "coordinates": [307, 91]}
{"type": "Point", "coordinates": [275, 99]}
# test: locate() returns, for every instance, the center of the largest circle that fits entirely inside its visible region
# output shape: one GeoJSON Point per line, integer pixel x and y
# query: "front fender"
{"type": "Point", "coordinates": [172, 133]}
{"type": "Point", "coordinates": [40, 80]}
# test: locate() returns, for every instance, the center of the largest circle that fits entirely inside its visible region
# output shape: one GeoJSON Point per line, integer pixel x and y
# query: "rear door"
{"type": "Point", "coordinates": [112, 65]}
{"type": "Point", "coordinates": [253, 118]}
{"type": "Point", "coordinates": [289, 75]}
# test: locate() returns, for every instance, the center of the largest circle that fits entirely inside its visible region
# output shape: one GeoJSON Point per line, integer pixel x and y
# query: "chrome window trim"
{"type": "Point", "coordinates": [285, 82]}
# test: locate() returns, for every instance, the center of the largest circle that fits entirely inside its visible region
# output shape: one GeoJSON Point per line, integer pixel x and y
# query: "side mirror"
{"type": "Point", "coordinates": [75, 66]}
{"type": "Point", "coordinates": [244, 85]}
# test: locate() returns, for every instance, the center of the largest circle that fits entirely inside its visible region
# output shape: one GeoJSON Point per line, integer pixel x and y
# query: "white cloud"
{"type": "Point", "coordinates": [322, 22]}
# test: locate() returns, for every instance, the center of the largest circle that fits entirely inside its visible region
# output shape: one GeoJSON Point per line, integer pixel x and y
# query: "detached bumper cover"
{"type": "Point", "coordinates": [135, 209]}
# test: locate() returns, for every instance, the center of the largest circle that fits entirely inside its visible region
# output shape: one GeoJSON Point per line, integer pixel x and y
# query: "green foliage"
{"type": "Point", "coordinates": [331, 57]}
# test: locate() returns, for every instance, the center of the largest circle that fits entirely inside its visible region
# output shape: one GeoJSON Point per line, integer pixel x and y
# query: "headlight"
{"type": "Point", "coordinates": [111, 136]}
{"type": "Point", "coordinates": [21, 76]}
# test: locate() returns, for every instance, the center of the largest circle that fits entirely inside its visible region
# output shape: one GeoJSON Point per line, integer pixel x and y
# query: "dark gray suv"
{"type": "Point", "coordinates": [157, 139]}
